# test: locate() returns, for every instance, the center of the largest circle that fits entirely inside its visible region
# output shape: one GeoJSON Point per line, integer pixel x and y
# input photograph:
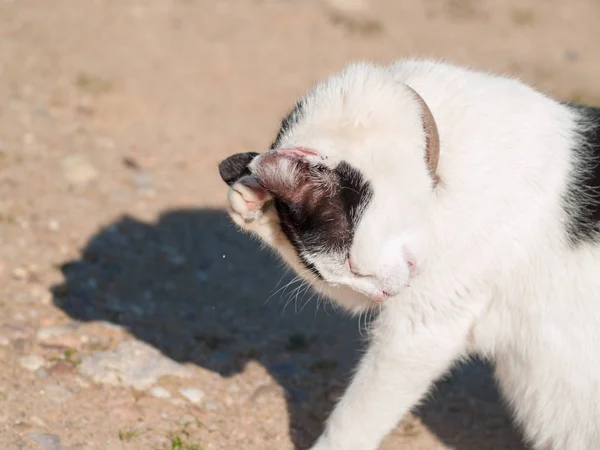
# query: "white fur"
{"type": "Point", "coordinates": [497, 276]}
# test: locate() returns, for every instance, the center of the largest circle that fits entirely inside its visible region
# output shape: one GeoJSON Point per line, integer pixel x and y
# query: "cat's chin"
{"type": "Point", "coordinates": [352, 301]}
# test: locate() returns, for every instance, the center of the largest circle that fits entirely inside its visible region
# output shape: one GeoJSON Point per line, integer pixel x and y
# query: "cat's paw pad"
{"type": "Point", "coordinates": [246, 200]}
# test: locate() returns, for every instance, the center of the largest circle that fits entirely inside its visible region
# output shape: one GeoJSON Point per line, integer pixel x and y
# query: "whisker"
{"type": "Point", "coordinates": [275, 292]}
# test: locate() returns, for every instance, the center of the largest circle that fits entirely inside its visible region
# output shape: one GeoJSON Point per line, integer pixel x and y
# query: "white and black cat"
{"type": "Point", "coordinates": [466, 207]}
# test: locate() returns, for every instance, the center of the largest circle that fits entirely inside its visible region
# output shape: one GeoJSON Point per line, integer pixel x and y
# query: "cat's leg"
{"type": "Point", "coordinates": [401, 364]}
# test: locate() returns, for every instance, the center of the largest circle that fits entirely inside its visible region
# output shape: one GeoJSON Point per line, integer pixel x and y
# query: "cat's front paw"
{"type": "Point", "coordinates": [247, 203]}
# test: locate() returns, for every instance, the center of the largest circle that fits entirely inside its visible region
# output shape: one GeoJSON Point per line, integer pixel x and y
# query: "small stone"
{"type": "Point", "coordinates": [31, 362]}
{"type": "Point", "coordinates": [20, 273]}
{"type": "Point", "coordinates": [160, 392]}
{"type": "Point", "coordinates": [40, 293]}
{"type": "Point", "coordinates": [19, 345]}
{"type": "Point", "coordinates": [78, 170]}
{"type": "Point", "coordinates": [41, 373]}
{"type": "Point", "coordinates": [46, 441]}
{"type": "Point", "coordinates": [54, 225]}
{"type": "Point", "coordinates": [133, 363]}
{"type": "Point", "coordinates": [38, 421]}
{"type": "Point", "coordinates": [105, 143]}
{"type": "Point", "coordinates": [355, 15]}
{"type": "Point", "coordinates": [48, 333]}
{"type": "Point", "coordinates": [194, 395]}
{"type": "Point", "coordinates": [572, 55]}
{"type": "Point", "coordinates": [61, 335]}
{"type": "Point", "coordinates": [211, 405]}
{"type": "Point", "coordinates": [57, 394]}
{"type": "Point", "coordinates": [109, 326]}
{"type": "Point", "coordinates": [266, 390]}
{"type": "Point", "coordinates": [4, 341]}
{"type": "Point", "coordinates": [234, 388]}
{"type": "Point", "coordinates": [186, 419]}
{"type": "Point", "coordinates": [144, 184]}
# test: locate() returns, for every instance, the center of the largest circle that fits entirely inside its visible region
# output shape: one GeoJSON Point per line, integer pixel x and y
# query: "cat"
{"type": "Point", "coordinates": [465, 206]}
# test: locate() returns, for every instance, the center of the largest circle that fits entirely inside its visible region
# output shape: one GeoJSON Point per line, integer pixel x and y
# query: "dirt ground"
{"type": "Point", "coordinates": [132, 314]}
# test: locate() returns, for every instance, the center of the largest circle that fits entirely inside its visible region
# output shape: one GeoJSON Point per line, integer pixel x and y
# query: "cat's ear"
{"type": "Point", "coordinates": [432, 137]}
{"type": "Point", "coordinates": [236, 166]}
{"type": "Point", "coordinates": [289, 177]}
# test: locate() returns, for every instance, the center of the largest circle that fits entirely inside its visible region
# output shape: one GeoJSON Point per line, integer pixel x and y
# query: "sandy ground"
{"type": "Point", "coordinates": [132, 314]}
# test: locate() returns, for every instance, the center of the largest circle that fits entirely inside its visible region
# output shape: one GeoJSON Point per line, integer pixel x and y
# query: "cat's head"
{"type": "Point", "coordinates": [352, 175]}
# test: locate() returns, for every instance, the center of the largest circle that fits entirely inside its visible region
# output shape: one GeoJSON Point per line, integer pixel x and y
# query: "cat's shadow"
{"type": "Point", "coordinates": [195, 288]}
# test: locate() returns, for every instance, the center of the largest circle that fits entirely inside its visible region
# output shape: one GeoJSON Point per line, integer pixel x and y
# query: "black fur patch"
{"type": "Point", "coordinates": [582, 199]}
{"type": "Point", "coordinates": [320, 216]}
{"type": "Point", "coordinates": [235, 167]}
{"type": "Point", "coordinates": [288, 122]}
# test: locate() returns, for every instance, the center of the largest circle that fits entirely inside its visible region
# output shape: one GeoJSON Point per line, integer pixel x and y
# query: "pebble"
{"type": "Point", "coordinates": [160, 392]}
{"type": "Point", "coordinates": [61, 335]}
{"type": "Point", "coordinates": [57, 394]}
{"type": "Point", "coordinates": [132, 363]}
{"type": "Point", "coordinates": [211, 405]}
{"type": "Point", "coordinates": [143, 182]}
{"type": "Point", "coordinates": [38, 421]}
{"type": "Point", "coordinates": [48, 333]}
{"type": "Point", "coordinates": [31, 362]}
{"type": "Point", "coordinates": [41, 295]}
{"type": "Point", "coordinates": [572, 55]}
{"type": "Point", "coordinates": [78, 170]}
{"type": "Point", "coordinates": [186, 419]}
{"type": "Point", "coordinates": [20, 273]}
{"type": "Point", "coordinates": [46, 441]}
{"type": "Point", "coordinates": [194, 395]}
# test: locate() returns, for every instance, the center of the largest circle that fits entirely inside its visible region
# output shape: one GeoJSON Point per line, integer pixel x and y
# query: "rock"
{"type": "Point", "coordinates": [38, 421]}
{"type": "Point", "coordinates": [194, 395]}
{"type": "Point", "coordinates": [133, 364]}
{"type": "Point", "coordinates": [143, 182]}
{"type": "Point", "coordinates": [31, 362]}
{"type": "Point", "coordinates": [19, 345]}
{"type": "Point", "coordinates": [355, 15]}
{"type": "Point", "coordinates": [62, 335]}
{"type": "Point", "coordinates": [48, 333]}
{"type": "Point", "coordinates": [78, 170]}
{"type": "Point", "coordinates": [41, 294]}
{"type": "Point", "coordinates": [268, 391]}
{"type": "Point", "coordinates": [572, 55]}
{"type": "Point", "coordinates": [56, 393]}
{"type": "Point", "coordinates": [211, 405]}
{"type": "Point", "coordinates": [42, 373]}
{"type": "Point", "coordinates": [187, 419]}
{"type": "Point", "coordinates": [160, 392]}
{"type": "Point", "coordinates": [46, 441]}
{"type": "Point", "coordinates": [20, 273]}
